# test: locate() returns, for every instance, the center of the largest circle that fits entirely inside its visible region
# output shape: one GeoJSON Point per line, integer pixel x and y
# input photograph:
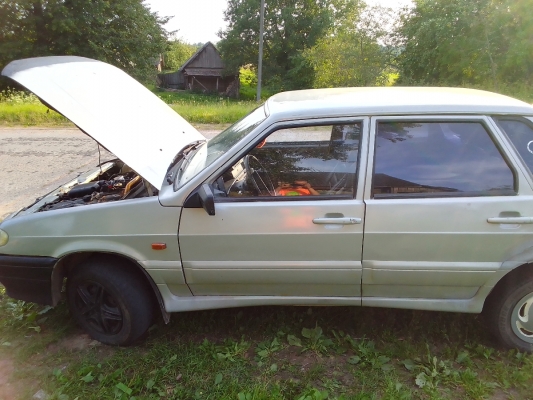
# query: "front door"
{"type": "Point", "coordinates": [289, 218]}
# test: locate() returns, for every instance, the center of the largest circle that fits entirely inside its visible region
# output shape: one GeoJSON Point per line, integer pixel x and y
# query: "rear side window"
{"type": "Point", "coordinates": [520, 133]}
{"type": "Point", "coordinates": [432, 159]}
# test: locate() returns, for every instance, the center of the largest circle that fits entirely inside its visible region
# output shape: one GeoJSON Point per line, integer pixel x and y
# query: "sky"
{"type": "Point", "coordinates": [198, 21]}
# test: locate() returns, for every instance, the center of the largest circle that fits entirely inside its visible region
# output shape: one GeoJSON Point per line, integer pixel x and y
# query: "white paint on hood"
{"type": "Point", "coordinates": [111, 107]}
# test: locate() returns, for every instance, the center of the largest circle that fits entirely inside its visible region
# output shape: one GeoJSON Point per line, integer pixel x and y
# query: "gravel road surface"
{"type": "Point", "coordinates": [34, 161]}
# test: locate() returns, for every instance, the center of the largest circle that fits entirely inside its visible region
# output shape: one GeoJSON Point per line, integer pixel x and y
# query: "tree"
{"type": "Point", "coordinates": [124, 33]}
{"type": "Point", "coordinates": [291, 26]}
{"type": "Point", "coordinates": [357, 52]}
{"type": "Point", "coordinates": [456, 42]}
{"type": "Point", "coordinates": [517, 27]}
{"type": "Point", "coordinates": [178, 52]}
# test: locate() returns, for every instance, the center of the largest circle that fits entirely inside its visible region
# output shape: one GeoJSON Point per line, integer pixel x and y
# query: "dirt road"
{"type": "Point", "coordinates": [34, 161]}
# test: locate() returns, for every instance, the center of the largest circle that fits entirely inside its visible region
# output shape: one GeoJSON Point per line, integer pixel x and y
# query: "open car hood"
{"type": "Point", "coordinates": [111, 107]}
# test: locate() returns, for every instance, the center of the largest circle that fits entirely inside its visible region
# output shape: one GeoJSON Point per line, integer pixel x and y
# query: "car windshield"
{"type": "Point", "coordinates": [219, 145]}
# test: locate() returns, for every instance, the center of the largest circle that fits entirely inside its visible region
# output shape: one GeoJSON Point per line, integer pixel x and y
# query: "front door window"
{"type": "Point", "coordinates": [297, 162]}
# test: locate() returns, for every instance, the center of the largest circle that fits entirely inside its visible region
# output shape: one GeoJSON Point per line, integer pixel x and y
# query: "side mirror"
{"type": "Point", "coordinates": [207, 198]}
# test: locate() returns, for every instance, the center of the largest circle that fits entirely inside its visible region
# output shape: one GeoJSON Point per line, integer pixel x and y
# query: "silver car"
{"type": "Point", "coordinates": [418, 198]}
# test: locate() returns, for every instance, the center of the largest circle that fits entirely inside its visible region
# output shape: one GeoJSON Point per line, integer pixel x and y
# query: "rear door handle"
{"type": "Point", "coordinates": [337, 221]}
{"type": "Point", "coordinates": [510, 220]}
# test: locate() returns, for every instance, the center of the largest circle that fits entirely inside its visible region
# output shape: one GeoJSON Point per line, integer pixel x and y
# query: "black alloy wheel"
{"type": "Point", "coordinates": [98, 307]}
{"type": "Point", "coordinates": [110, 300]}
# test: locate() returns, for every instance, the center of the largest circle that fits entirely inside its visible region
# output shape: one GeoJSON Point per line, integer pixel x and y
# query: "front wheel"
{"type": "Point", "coordinates": [112, 304]}
{"type": "Point", "coordinates": [510, 315]}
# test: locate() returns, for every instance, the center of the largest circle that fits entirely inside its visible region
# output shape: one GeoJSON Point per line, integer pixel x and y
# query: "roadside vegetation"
{"type": "Point", "coordinates": [17, 108]}
{"type": "Point", "coordinates": [298, 353]}
{"type": "Point", "coordinates": [206, 109]}
{"type": "Point", "coordinates": [20, 108]}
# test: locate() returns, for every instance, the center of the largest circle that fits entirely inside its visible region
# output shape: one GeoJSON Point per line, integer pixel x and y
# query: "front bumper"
{"type": "Point", "coordinates": [27, 278]}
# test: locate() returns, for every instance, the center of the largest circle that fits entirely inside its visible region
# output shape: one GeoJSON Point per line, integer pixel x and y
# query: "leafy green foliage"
{"type": "Point", "coordinates": [267, 349]}
{"type": "Point", "coordinates": [16, 97]}
{"type": "Point", "coordinates": [313, 339]}
{"type": "Point", "coordinates": [357, 52]}
{"type": "Point", "coordinates": [314, 394]}
{"type": "Point", "coordinates": [431, 370]}
{"type": "Point", "coordinates": [367, 355]}
{"type": "Point", "coordinates": [229, 350]}
{"type": "Point", "coordinates": [124, 33]}
{"type": "Point", "coordinates": [475, 43]}
{"type": "Point", "coordinates": [290, 26]}
{"type": "Point", "coordinates": [177, 53]}
{"type": "Point", "coordinates": [248, 81]}
{"type": "Point", "coordinates": [25, 314]}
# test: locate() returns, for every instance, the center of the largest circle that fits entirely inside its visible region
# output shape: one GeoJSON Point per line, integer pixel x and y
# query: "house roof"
{"type": "Point", "coordinates": [197, 55]}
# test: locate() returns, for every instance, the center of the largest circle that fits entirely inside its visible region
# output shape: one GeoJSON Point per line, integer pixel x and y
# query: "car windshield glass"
{"type": "Point", "coordinates": [219, 145]}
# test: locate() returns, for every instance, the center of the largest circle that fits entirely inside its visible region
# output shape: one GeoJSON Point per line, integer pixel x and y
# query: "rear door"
{"type": "Point", "coordinates": [438, 198]}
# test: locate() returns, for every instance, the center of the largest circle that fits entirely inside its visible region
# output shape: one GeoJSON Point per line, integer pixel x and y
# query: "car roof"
{"type": "Point", "coordinates": [391, 101]}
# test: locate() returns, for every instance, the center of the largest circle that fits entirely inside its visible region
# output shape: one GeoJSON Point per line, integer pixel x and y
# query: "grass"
{"type": "Point", "coordinates": [18, 108]}
{"type": "Point", "coordinates": [29, 115]}
{"type": "Point", "coordinates": [206, 109]}
{"type": "Point", "coordinates": [260, 353]}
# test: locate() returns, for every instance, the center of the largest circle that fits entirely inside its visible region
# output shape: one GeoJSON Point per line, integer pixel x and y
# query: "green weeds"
{"type": "Point", "coordinates": [367, 355]}
{"type": "Point", "coordinates": [313, 339]}
{"type": "Point", "coordinates": [22, 315]}
{"type": "Point", "coordinates": [267, 353]}
{"type": "Point", "coordinates": [15, 97]}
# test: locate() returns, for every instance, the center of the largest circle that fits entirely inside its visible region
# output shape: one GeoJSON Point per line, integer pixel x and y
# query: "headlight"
{"type": "Point", "coordinates": [4, 237]}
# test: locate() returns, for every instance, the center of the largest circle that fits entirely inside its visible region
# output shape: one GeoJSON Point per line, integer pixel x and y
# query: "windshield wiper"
{"type": "Point", "coordinates": [182, 154]}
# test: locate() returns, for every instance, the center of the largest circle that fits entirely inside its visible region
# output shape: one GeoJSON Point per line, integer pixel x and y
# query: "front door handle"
{"type": "Point", "coordinates": [337, 221]}
{"type": "Point", "coordinates": [510, 220]}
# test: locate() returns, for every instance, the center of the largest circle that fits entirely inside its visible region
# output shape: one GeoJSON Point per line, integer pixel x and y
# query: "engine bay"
{"type": "Point", "coordinates": [113, 181]}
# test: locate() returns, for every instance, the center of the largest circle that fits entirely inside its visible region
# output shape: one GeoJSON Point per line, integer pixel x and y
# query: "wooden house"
{"type": "Point", "coordinates": [203, 72]}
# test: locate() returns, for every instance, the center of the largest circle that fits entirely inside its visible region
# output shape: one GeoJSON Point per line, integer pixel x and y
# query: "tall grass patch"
{"type": "Point", "coordinates": [213, 113]}
{"type": "Point", "coordinates": [29, 115]}
{"type": "Point", "coordinates": [206, 109]}
{"type": "Point", "coordinates": [21, 108]}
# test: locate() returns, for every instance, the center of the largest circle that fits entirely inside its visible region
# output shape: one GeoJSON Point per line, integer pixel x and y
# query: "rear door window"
{"type": "Point", "coordinates": [520, 133]}
{"type": "Point", "coordinates": [438, 158]}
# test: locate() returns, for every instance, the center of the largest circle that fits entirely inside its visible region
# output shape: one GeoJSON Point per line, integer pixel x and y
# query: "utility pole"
{"type": "Point", "coordinates": [260, 63]}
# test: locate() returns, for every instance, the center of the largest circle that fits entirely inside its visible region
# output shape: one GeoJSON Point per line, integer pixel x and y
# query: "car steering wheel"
{"type": "Point", "coordinates": [263, 184]}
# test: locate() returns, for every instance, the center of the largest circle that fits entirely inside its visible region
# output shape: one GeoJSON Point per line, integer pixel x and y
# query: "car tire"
{"type": "Point", "coordinates": [109, 301]}
{"type": "Point", "coordinates": [509, 313]}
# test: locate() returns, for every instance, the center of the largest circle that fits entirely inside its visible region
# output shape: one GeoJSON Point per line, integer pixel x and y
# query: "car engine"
{"type": "Point", "coordinates": [114, 182]}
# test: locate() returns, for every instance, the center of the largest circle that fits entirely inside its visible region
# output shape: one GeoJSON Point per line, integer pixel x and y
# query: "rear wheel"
{"type": "Point", "coordinates": [510, 314]}
{"type": "Point", "coordinates": [110, 302]}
